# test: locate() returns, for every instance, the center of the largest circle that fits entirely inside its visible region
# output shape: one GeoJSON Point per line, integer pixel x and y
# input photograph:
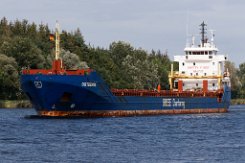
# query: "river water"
{"type": "Point", "coordinates": [175, 138]}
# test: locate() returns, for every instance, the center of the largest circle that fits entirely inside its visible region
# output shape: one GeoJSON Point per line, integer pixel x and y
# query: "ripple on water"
{"type": "Point", "coordinates": [180, 138]}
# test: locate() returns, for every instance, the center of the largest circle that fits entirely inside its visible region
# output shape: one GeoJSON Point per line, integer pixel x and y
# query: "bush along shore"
{"type": "Point", "coordinates": [15, 104]}
{"type": "Point", "coordinates": [237, 101]}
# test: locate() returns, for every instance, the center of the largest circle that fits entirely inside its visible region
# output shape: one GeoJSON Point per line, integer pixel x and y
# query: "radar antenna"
{"type": "Point", "coordinates": [203, 32]}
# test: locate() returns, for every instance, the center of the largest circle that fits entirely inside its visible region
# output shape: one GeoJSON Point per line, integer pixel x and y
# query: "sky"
{"type": "Point", "coordinates": [148, 24]}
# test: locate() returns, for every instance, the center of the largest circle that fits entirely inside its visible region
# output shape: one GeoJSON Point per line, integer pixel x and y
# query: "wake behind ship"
{"type": "Point", "coordinates": [201, 85]}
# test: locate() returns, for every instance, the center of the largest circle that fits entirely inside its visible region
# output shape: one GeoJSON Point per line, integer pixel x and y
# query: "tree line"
{"type": "Point", "coordinates": [27, 45]}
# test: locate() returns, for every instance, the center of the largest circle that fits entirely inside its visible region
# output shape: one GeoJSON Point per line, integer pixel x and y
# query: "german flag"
{"type": "Point", "coordinates": [51, 37]}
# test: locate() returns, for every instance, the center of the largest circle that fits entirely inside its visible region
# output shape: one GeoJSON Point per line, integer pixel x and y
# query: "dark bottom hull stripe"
{"type": "Point", "coordinates": [124, 113]}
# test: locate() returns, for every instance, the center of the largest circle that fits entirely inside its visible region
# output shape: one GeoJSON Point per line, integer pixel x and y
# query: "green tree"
{"type": "Point", "coordinates": [163, 63]}
{"type": "Point", "coordinates": [25, 52]}
{"type": "Point", "coordinates": [241, 75]}
{"type": "Point", "coordinates": [141, 72]}
{"type": "Point", "coordinates": [235, 81]}
{"type": "Point", "coordinates": [32, 31]}
{"type": "Point", "coordinates": [4, 28]}
{"type": "Point", "coordinates": [121, 66]}
{"type": "Point", "coordinates": [74, 42]}
{"type": "Point", "coordinates": [41, 40]}
{"type": "Point", "coordinates": [72, 61]}
{"type": "Point", "coordinates": [152, 75]}
{"type": "Point", "coordinates": [100, 60]}
{"type": "Point", "coordinates": [131, 66]}
{"type": "Point", "coordinates": [119, 50]}
{"type": "Point", "coordinates": [8, 78]}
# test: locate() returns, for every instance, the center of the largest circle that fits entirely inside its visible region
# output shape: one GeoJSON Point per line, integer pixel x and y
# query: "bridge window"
{"type": "Point", "coordinates": [183, 63]}
{"type": "Point", "coordinates": [194, 63]}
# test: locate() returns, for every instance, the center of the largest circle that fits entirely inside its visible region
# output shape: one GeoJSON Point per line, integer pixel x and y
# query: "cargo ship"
{"type": "Point", "coordinates": [202, 85]}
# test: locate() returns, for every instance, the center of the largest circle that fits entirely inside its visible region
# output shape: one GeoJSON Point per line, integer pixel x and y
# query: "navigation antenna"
{"type": "Point", "coordinates": [187, 29]}
{"type": "Point", "coordinates": [203, 32]}
{"type": "Point", "coordinates": [212, 36]}
{"type": "Point", "coordinates": [57, 41]}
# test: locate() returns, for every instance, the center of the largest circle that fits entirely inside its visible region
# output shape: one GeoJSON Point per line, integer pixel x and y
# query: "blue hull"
{"type": "Point", "coordinates": [89, 95]}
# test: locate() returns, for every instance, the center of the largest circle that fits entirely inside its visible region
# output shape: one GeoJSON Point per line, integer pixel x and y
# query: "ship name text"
{"type": "Point", "coordinates": [168, 102]}
{"type": "Point", "coordinates": [88, 84]}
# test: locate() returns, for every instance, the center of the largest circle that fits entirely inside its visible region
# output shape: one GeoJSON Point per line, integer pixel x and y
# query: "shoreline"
{"type": "Point", "coordinates": [238, 101]}
{"type": "Point", "coordinates": [12, 104]}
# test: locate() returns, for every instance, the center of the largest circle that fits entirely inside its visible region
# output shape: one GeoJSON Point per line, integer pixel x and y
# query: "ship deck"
{"type": "Point", "coordinates": [167, 93]}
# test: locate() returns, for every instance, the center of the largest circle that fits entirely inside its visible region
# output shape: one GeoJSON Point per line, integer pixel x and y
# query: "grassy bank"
{"type": "Point", "coordinates": [15, 104]}
{"type": "Point", "coordinates": [237, 101]}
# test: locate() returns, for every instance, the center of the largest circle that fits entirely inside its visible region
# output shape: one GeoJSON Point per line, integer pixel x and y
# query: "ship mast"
{"type": "Point", "coordinates": [57, 41]}
{"type": "Point", "coordinates": [203, 32]}
{"type": "Point", "coordinates": [57, 63]}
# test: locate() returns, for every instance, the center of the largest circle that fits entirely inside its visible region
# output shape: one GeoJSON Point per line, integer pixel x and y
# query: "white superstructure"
{"type": "Point", "coordinates": [200, 63]}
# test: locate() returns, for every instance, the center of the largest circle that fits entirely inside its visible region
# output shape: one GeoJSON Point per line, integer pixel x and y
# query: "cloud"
{"type": "Point", "coordinates": [148, 24]}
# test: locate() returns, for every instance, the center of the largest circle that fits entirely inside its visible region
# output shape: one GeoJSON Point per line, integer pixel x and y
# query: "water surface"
{"type": "Point", "coordinates": [175, 138]}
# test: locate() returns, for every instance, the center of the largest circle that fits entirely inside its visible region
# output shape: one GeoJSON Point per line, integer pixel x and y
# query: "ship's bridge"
{"type": "Point", "coordinates": [200, 63]}
{"type": "Point", "coordinates": [201, 50]}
